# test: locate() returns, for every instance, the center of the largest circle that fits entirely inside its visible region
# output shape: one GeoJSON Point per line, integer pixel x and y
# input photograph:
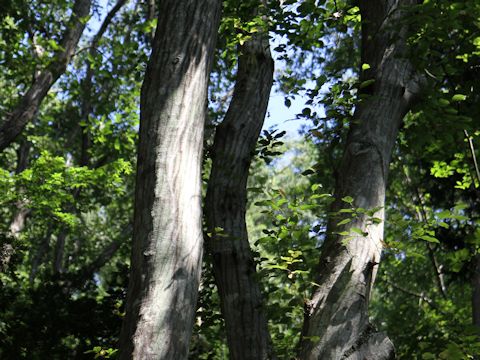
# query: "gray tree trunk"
{"type": "Point", "coordinates": [168, 237]}
{"type": "Point", "coordinates": [476, 291]}
{"type": "Point", "coordinates": [28, 105]}
{"type": "Point", "coordinates": [225, 205]}
{"type": "Point", "coordinates": [7, 248]}
{"type": "Point", "coordinates": [336, 319]}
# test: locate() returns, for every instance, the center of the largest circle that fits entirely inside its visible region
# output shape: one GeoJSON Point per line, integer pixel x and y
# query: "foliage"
{"type": "Point", "coordinates": [70, 174]}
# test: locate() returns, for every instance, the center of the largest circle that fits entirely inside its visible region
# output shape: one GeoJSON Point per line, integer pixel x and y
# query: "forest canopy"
{"type": "Point", "coordinates": [150, 210]}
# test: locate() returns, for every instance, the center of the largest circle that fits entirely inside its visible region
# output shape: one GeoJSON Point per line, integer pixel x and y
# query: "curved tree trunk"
{"type": "Point", "coordinates": [336, 319]}
{"type": "Point", "coordinates": [225, 204]}
{"type": "Point", "coordinates": [30, 102]}
{"type": "Point", "coordinates": [168, 236]}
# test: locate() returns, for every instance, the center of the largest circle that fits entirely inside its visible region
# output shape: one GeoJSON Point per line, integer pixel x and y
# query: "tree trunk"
{"type": "Point", "coordinates": [87, 84]}
{"type": "Point", "coordinates": [39, 254]}
{"type": "Point", "coordinates": [7, 248]}
{"type": "Point", "coordinates": [476, 291]}
{"type": "Point", "coordinates": [30, 102]}
{"type": "Point", "coordinates": [168, 236]}
{"type": "Point", "coordinates": [336, 319]}
{"type": "Point", "coordinates": [225, 205]}
{"type": "Point", "coordinates": [59, 252]}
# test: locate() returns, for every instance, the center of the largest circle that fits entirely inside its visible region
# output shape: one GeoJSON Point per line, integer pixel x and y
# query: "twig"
{"type": "Point", "coordinates": [472, 151]}
{"type": "Point", "coordinates": [422, 216]}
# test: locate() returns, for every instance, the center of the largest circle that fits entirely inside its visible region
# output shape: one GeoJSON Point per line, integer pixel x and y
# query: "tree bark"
{"type": "Point", "coordinates": [225, 204]}
{"type": "Point", "coordinates": [7, 249]}
{"type": "Point", "coordinates": [168, 236]}
{"type": "Point", "coordinates": [336, 318]}
{"type": "Point", "coordinates": [30, 102]}
{"type": "Point", "coordinates": [476, 291]}
{"type": "Point", "coordinates": [59, 252]}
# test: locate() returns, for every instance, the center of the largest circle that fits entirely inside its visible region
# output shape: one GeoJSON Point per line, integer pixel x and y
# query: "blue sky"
{"type": "Point", "coordinates": [278, 115]}
{"type": "Point", "coordinates": [282, 117]}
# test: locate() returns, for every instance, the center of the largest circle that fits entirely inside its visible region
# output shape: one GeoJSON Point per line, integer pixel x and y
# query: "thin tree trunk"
{"type": "Point", "coordinates": [336, 319]}
{"type": "Point", "coordinates": [225, 205]}
{"type": "Point", "coordinates": [476, 291]}
{"type": "Point", "coordinates": [18, 222]}
{"type": "Point", "coordinates": [30, 102]}
{"type": "Point", "coordinates": [7, 249]}
{"type": "Point", "coordinates": [168, 237]}
{"type": "Point", "coordinates": [59, 252]}
{"type": "Point", "coordinates": [476, 258]}
{"type": "Point", "coordinates": [87, 84]}
{"type": "Point", "coordinates": [39, 255]}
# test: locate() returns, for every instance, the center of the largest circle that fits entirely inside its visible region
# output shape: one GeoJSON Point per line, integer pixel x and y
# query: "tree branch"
{"type": "Point", "coordinates": [422, 217]}
{"type": "Point", "coordinates": [30, 102]}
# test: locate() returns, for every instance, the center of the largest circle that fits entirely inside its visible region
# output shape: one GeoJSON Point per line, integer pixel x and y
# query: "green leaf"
{"type": "Point", "coordinates": [308, 172]}
{"type": "Point", "coordinates": [459, 97]}
{"type": "Point", "coordinates": [430, 239]}
{"type": "Point", "coordinates": [344, 221]}
{"type": "Point", "coordinates": [443, 224]}
{"type": "Point", "coordinates": [445, 214]}
{"type": "Point", "coordinates": [347, 199]}
{"type": "Point", "coordinates": [366, 83]}
{"type": "Point", "coordinates": [359, 231]}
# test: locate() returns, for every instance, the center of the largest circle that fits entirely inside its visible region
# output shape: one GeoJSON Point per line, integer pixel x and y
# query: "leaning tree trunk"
{"type": "Point", "coordinates": [168, 236]}
{"type": "Point", "coordinates": [30, 102]}
{"type": "Point", "coordinates": [336, 319]}
{"type": "Point", "coordinates": [225, 204]}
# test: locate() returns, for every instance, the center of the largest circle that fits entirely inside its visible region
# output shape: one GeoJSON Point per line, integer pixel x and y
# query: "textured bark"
{"type": "Point", "coordinates": [30, 102]}
{"type": "Point", "coordinates": [336, 319]}
{"type": "Point", "coordinates": [225, 205]}
{"type": "Point", "coordinates": [168, 237]}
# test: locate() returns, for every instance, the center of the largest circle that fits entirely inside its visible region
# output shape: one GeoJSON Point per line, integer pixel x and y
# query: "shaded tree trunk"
{"type": "Point", "coordinates": [168, 236]}
{"type": "Point", "coordinates": [59, 252]}
{"type": "Point", "coordinates": [476, 291]}
{"type": "Point", "coordinates": [336, 319]}
{"type": "Point", "coordinates": [7, 249]}
{"type": "Point", "coordinates": [225, 204]}
{"type": "Point", "coordinates": [39, 255]}
{"type": "Point", "coordinates": [476, 258]}
{"type": "Point", "coordinates": [30, 102]}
